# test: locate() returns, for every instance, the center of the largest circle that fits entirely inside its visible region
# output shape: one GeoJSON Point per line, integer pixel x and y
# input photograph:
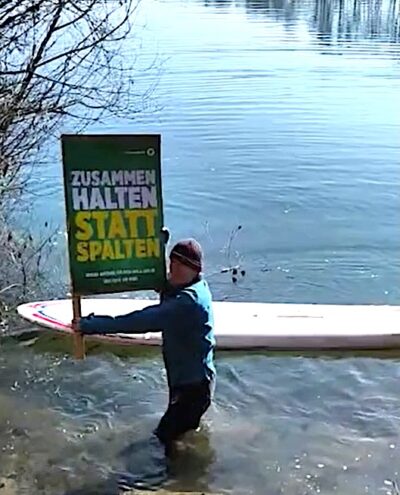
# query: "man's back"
{"type": "Point", "coordinates": [188, 337]}
{"type": "Point", "coordinates": [185, 317]}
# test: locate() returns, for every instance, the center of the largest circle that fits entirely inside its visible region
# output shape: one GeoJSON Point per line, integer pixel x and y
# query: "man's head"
{"type": "Point", "coordinates": [186, 262]}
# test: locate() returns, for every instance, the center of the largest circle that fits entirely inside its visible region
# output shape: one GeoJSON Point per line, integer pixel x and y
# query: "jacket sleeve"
{"type": "Point", "coordinates": [152, 318]}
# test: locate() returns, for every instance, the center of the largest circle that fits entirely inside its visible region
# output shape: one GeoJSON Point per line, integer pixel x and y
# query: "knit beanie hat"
{"type": "Point", "coordinates": [189, 253]}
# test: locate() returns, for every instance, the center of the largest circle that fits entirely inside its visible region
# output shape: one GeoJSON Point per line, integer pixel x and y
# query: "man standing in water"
{"type": "Point", "coordinates": [185, 317]}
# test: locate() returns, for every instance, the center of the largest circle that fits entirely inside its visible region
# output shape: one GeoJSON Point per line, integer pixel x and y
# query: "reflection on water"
{"type": "Point", "coordinates": [273, 120]}
{"type": "Point", "coordinates": [331, 20]}
{"type": "Point", "coordinates": [279, 424]}
{"type": "Point", "coordinates": [282, 117]}
{"type": "Point", "coordinates": [352, 20]}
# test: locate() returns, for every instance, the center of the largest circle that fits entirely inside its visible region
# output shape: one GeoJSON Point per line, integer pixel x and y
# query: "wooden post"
{"type": "Point", "coordinates": [79, 342]}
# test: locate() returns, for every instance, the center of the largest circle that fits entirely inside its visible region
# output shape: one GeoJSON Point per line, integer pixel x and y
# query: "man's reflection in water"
{"type": "Point", "coordinates": [187, 468]}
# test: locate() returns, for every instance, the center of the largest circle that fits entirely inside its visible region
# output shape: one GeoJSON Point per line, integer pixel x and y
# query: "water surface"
{"type": "Point", "coordinates": [284, 118]}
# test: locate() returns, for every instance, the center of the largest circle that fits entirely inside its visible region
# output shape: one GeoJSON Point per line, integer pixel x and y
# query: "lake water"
{"type": "Point", "coordinates": [283, 118]}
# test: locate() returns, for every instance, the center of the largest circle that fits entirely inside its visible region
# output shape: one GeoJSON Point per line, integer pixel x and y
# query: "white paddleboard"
{"type": "Point", "coordinates": [244, 325]}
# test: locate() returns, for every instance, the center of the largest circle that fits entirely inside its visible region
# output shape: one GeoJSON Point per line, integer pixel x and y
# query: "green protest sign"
{"type": "Point", "coordinates": [114, 212]}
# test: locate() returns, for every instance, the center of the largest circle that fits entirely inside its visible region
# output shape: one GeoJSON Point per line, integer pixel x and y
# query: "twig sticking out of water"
{"type": "Point", "coordinates": [230, 268]}
{"type": "Point", "coordinates": [396, 488]}
{"type": "Point", "coordinates": [236, 270]}
{"type": "Point", "coordinates": [228, 247]}
{"type": "Point", "coordinates": [394, 485]}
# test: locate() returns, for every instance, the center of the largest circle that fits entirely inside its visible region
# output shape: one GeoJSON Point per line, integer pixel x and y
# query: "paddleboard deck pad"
{"type": "Point", "coordinates": [245, 325]}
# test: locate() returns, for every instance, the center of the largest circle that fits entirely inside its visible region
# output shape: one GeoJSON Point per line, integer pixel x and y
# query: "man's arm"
{"type": "Point", "coordinates": [152, 318]}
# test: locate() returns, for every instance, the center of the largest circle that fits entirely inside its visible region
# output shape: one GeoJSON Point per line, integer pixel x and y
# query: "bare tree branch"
{"type": "Point", "coordinates": [13, 19]}
{"type": "Point", "coordinates": [34, 63]}
{"type": "Point", "coordinates": [61, 60]}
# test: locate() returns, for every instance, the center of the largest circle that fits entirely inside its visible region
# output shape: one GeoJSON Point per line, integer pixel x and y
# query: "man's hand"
{"type": "Point", "coordinates": [85, 324]}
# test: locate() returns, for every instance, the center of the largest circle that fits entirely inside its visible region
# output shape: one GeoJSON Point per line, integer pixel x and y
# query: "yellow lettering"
{"type": "Point", "coordinates": [132, 216]}
{"type": "Point", "coordinates": [108, 252]}
{"type": "Point", "coordinates": [128, 247]}
{"type": "Point", "coordinates": [85, 230]}
{"type": "Point", "coordinates": [82, 251]}
{"type": "Point", "coordinates": [94, 250]}
{"type": "Point", "coordinates": [140, 248]}
{"type": "Point", "coordinates": [149, 216]}
{"type": "Point", "coordinates": [100, 217]}
{"type": "Point", "coordinates": [119, 255]}
{"type": "Point", "coordinates": [153, 248]}
{"type": "Point", "coordinates": [117, 226]}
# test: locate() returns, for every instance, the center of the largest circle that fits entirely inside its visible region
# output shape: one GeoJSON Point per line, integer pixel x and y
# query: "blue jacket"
{"type": "Point", "coordinates": [185, 318]}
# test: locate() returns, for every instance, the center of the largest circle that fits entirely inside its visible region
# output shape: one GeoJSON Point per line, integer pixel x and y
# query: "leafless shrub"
{"type": "Point", "coordinates": [61, 60]}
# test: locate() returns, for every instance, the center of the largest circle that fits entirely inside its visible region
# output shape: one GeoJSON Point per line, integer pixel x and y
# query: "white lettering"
{"type": "Point", "coordinates": [121, 192]}
{"type": "Point", "coordinates": [80, 199]}
{"type": "Point", "coordinates": [96, 200]}
{"type": "Point", "coordinates": [110, 203]}
{"type": "Point", "coordinates": [150, 177]}
{"type": "Point", "coordinates": [86, 179]}
{"type": "Point", "coordinates": [105, 179]}
{"type": "Point", "coordinates": [149, 197]}
{"type": "Point", "coordinates": [95, 178]}
{"type": "Point", "coordinates": [134, 197]}
{"type": "Point", "coordinates": [75, 178]}
{"type": "Point", "coordinates": [117, 178]}
{"type": "Point", "coordinates": [130, 177]}
{"type": "Point", "coordinates": [140, 178]}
